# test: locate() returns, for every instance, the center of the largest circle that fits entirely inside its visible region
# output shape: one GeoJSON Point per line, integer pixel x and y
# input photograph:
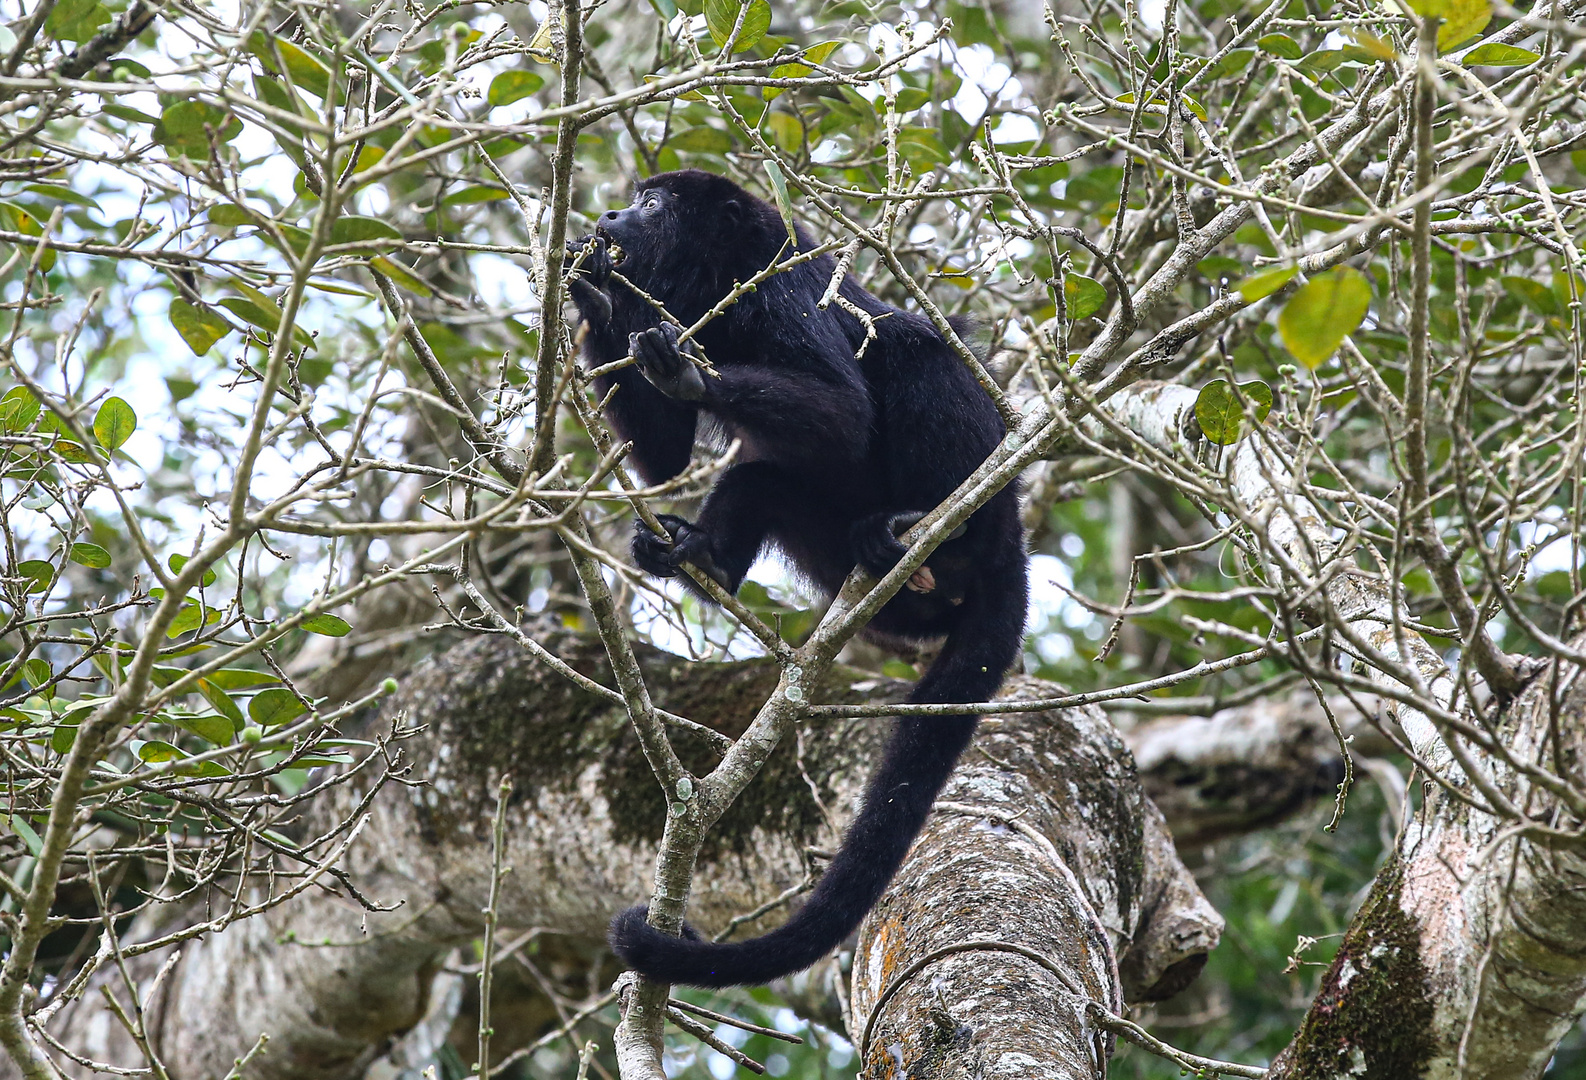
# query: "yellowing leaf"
{"type": "Point", "coordinates": [1259, 286]}
{"type": "Point", "coordinates": [114, 423]}
{"type": "Point", "coordinates": [1321, 314]}
{"type": "Point", "coordinates": [815, 54]}
{"type": "Point", "coordinates": [1462, 19]}
{"type": "Point", "coordinates": [1221, 414]}
{"type": "Point", "coordinates": [1494, 54]}
{"type": "Point", "coordinates": [1084, 296]}
{"type": "Point", "coordinates": [199, 327]}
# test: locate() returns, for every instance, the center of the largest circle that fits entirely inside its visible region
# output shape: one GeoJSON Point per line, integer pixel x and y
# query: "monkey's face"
{"type": "Point", "coordinates": [646, 231]}
{"type": "Point", "coordinates": [689, 232]}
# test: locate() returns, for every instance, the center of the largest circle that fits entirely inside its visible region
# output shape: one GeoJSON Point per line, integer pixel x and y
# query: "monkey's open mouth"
{"type": "Point", "coordinates": [613, 248]}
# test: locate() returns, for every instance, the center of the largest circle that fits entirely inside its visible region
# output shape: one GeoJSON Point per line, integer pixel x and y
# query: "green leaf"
{"type": "Point", "coordinates": [76, 20]}
{"type": "Point", "coordinates": [176, 562]}
{"type": "Point", "coordinates": [816, 54]}
{"type": "Point", "coordinates": [230, 215]}
{"type": "Point", "coordinates": [1323, 60]}
{"type": "Point", "coordinates": [512, 86]}
{"type": "Point", "coordinates": [37, 671]}
{"type": "Point", "coordinates": [18, 409]}
{"type": "Point", "coordinates": [355, 230]}
{"type": "Point", "coordinates": [154, 751]}
{"type": "Point", "coordinates": [1260, 286]}
{"type": "Point", "coordinates": [400, 275]}
{"type": "Point", "coordinates": [129, 114]}
{"type": "Point", "coordinates": [185, 128]}
{"type": "Point", "coordinates": [340, 289]}
{"type": "Point", "coordinates": [702, 139]}
{"type": "Point", "coordinates": [55, 193]}
{"type": "Point", "coordinates": [478, 193]}
{"type": "Point", "coordinates": [328, 625]}
{"type": "Point", "coordinates": [1321, 314]}
{"type": "Point", "coordinates": [191, 617]}
{"type": "Point", "coordinates": [265, 318]}
{"type": "Point", "coordinates": [1533, 294]}
{"type": "Point", "coordinates": [38, 572]}
{"type": "Point", "coordinates": [90, 555]}
{"type": "Point", "coordinates": [784, 205]}
{"type": "Point", "coordinates": [62, 738]}
{"type": "Point", "coordinates": [235, 678]}
{"type": "Point", "coordinates": [220, 730]}
{"type": "Point", "coordinates": [1222, 418]}
{"type": "Point", "coordinates": [1232, 64]}
{"type": "Point", "coordinates": [274, 707]}
{"type": "Point", "coordinates": [114, 423]}
{"type": "Point", "coordinates": [722, 15]}
{"type": "Point", "coordinates": [222, 703]}
{"type": "Point", "coordinates": [1280, 45]}
{"type": "Point", "coordinates": [20, 826]}
{"type": "Point", "coordinates": [123, 69]}
{"type": "Point", "coordinates": [1084, 296]}
{"type": "Point", "coordinates": [199, 326]}
{"type": "Point", "coordinates": [923, 147]}
{"type": "Point", "coordinates": [307, 71]}
{"type": "Point", "coordinates": [1494, 54]}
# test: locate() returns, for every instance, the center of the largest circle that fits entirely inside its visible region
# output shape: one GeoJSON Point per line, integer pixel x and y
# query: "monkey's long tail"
{"type": "Point", "coordinates": [919, 758]}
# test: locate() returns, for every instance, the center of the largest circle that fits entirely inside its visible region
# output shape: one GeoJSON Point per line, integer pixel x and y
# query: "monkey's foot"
{"type": "Point", "coordinates": [876, 545]}
{"type": "Point", "coordinates": [685, 542]}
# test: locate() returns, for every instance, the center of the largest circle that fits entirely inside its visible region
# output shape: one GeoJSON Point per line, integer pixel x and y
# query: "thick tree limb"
{"type": "Point", "coordinates": [1044, 881]}
{"type": "Point", "coordinates": [331, 982]}
{"type": "Point", "coordinates": [1249, 767]}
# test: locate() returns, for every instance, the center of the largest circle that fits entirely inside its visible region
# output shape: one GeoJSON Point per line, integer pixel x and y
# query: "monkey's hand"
{"type": "Point", "coordinates": [685, 542]}
{"type": "Point", "coordinates": [662, 362]}
{"type": "Point", "coordinates": [589, 284]}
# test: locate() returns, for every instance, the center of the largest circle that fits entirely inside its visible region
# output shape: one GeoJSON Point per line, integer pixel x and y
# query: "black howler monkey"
{"type": "Point", "coordinates": [840, 455]}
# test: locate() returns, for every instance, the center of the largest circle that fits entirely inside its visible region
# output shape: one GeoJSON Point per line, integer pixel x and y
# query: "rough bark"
{"type": "Point", "coordinates": [1044, 880]}
{"type": "Point", "coordinates": [330, 983]}
{"type": "Point", "coordinates": [1466, 957]}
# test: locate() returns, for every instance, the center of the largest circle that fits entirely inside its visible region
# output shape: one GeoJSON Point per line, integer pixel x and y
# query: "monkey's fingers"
{"type": "Point", "coordinates": [921, 581]}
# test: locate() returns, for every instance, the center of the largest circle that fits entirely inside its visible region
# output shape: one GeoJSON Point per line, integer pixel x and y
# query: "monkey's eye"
{"type": "Point", "coordinates": [652, 203]}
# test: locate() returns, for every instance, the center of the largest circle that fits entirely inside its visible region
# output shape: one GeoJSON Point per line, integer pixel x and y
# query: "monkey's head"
{"type": "Point", "coordinates": [691, 230]}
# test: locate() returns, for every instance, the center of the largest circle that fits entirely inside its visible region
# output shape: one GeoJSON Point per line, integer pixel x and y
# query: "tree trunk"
{"type": "Point", "coordinates": [1466, 958]}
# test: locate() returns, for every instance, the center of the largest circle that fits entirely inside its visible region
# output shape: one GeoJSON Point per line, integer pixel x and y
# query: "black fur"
{"type": "Point", "coordinates": [839, 455]}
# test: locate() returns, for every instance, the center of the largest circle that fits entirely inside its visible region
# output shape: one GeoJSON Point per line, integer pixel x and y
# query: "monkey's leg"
{"type": "Point", "coordinates": [738, 514]}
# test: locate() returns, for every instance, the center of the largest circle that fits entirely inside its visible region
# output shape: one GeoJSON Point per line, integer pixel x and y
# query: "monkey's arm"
{"type": "Point", "coordinates": [661, 428]}
{"type": "Point", "coordinates": [812, 414]}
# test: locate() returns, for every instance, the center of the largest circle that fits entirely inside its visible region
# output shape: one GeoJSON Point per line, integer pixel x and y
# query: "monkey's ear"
{"type": "Point", "coordinates": [733, 210]}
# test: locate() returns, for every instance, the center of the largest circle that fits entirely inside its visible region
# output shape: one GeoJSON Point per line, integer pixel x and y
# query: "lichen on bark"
{"type": "Point", "coordinates": [1372, 1017]}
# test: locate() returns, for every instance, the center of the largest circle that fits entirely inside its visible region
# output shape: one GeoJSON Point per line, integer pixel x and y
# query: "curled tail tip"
{"type": "Point", "coordinates": [643, 948]}
{"type": "Point", "coordinates": [628, 932]}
